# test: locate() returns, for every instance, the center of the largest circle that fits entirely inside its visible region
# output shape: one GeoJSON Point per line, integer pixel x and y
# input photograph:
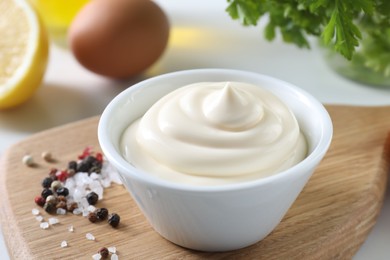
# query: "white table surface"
{"type": "Point", "coordinates": [202, 36]}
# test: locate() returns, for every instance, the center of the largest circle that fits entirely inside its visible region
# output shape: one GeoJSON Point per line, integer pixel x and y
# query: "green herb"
{"type": "Point", "coordinates": [341, 24]}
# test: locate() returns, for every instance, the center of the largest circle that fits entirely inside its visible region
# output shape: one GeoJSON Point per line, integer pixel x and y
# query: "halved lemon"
{"type": "Point", "coordinates": [23, 52]}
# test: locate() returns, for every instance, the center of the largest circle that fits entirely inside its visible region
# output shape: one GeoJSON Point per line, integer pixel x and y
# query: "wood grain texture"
{"type": "Point", "coordinates": [330, 219]}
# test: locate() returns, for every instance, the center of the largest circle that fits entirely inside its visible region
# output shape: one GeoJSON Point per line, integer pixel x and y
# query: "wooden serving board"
{"type": "Point", "coordinates": [330, 219]}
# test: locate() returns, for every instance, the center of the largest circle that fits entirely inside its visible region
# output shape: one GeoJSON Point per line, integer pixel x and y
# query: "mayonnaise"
{"type": "Point", "coordinates": [213, 133]}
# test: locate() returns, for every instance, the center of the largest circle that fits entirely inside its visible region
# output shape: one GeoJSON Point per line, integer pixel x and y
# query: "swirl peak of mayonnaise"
{"type": "Point", "coordinates": [212, 133]}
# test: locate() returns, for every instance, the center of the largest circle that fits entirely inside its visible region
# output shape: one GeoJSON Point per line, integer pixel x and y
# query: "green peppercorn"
{"type": "Point", "coordinates": [114, 219]}
{"type": "Point", "coordinates": [101, 213]}
{"type": "Point", "coordinates": [92, 198]}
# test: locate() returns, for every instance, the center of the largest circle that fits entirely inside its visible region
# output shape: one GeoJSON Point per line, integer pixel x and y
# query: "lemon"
{"type": "Point", "coordinates": [23, 52]}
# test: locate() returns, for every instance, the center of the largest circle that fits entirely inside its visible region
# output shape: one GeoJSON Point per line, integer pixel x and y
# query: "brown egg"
{"type": "Point", "coordinates": [119, 38]}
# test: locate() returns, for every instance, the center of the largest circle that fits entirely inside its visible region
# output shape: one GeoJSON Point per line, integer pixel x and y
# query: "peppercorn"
{"type": "Point", "coordinates": [72, 165]}
{"type": "Point", "coordinates": [72, 206]}
{"type": "Point", "coordinates": [61, 205]}
{"type": "Point", "coordinates": [86, 164]}
{"type": "Point", "coordinates": [39, 201]}
{"type": "Point", "coordinates": [49, 207]}
{"type": "Point", "coordinates": [46, 192]}
{"type": "Point", "coordinates": [52, 199]}
{"type": "Point", "coordinates": [55, 185]}
{"type": "Point", "coordinates": [61, 198]}
{"type": "Point", "coordinates": [114, 219]}
{"type": "Point", "coordinates": [104, 253]}
{"type": "Point", "coordinates": [92, 198]}
{"type": "Point", "coordinates": [92, 217]}
{"type": "Point", "coordinates": [47, 182]}
{"type": "Point", "coordinates": [62, 175]}
{"type": "Point", "coordinates": [52, 174]}
{"type": "Point", "coordinates": [101, 213]}
{"type": "Point", "coordinates": [47, 156]}
{"type": "Point", "coordinates": [62, 191]}
{"type": "Point", "coordinates": [28, 160]}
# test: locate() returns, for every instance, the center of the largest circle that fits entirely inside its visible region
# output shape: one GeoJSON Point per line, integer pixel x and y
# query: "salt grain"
{"type": "Point", "coordinates": [96, 257]}
{"type": "Point", "coordinates": [35, 211]}
{"type": "Point", "coordinates": [53, 221]}
{"type": "Point", "coordinates": [89, 236]}
{"type": "Point", "coordinates": [39, 218]}
{"type": "Point", "coordinates": [61, 211]}
{"type": "Point", "coordinates": [70, 228]}
{"type": "Point", "coordinates": [64, 244]}
{"type": "Point", "coordinates": [91, 208]}
{"type": "Point", "coordinates": [112, 249]}
{"type": "Point", "coordinates": [114, 257]}
{"type": "Point", "coordinates": [77, 211]}
{"type": "Point", "coordinates": [44, 225]}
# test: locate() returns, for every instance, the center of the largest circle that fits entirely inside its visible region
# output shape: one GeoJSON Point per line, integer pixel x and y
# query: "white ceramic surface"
{"type": "Point", "coordinates": [214, 218]}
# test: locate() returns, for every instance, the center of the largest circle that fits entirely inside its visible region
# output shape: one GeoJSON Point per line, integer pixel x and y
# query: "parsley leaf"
{"type": "Point", "coordinates": [335, 21]}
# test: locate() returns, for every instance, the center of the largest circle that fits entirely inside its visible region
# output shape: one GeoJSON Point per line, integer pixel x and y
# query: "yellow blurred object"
{"type": "Point", "coordinates": [23, 52]}
{"type": "Point", "coordinates": [58, 15]}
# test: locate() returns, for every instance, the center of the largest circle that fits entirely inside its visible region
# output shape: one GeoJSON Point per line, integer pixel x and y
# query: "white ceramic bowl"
{"type": "Point", "coordinates": [214, 218]}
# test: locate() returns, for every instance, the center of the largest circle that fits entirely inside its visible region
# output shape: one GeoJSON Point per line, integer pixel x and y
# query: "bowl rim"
{"type": "Point", "coordinates": [123, 167]}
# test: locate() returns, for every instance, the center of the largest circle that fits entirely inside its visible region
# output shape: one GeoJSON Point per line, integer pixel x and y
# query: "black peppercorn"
{"type": "Point", "coordinates": [46, 192]}
{"type": "Point", "coordinates": [49, 207]}
{"type": "Point", "coordinates": [72, 165]}
{"type": "Point", "coordinates": [92, 217]}
{"type": "Point", "coordinates": [47, 182]}
{"type": "Point", "coordinates": [101, 213]}
{"type": "Point", "coordinates": [92, 198]}
{"type": "Point", "coordinates": [114, 219]}
{"type": "Point", "coordinates": [86, 164]}
{"type": "Point", "coordinates": [62, 191]}
{"type": "Point", "coordinates": [104, 253]}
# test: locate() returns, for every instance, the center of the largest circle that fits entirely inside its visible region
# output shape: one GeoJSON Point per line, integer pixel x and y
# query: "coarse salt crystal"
{"type": "Point", "coordinates": [89, 236]}
{"type": "Point", "coordinates": [91, 208]}
{"type": "Point", "coordinates": [71, 228]}
{"type": "Point", "coordinates": [96, 257]}
{"type": "Point", "coordinates": [39, 218]}
{"type": "Point", "coordinates": [64, 244]}
{"type": "Point", "coordinates": [114, 257]}
{"type": "Point", "coordinates": [44, 225]}
{"type": "Point", "coordinates": [53, 221]}
{"type": "Point", "coordinates": [61, 211]}
{"type": "Point", "coordinates": [112, 249]}
{"type": "Point", "coordinates": [35, 211]}
{"type": "Point", "coordinates": [77, 211]}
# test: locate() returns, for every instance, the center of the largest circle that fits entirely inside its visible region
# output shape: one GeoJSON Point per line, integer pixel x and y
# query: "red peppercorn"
{"type": "Point", "coordinates": [62, 176]}
{"type": "Point", "coordinates": [39, 201]}
{"type": "Point", "coordinates": [104, 253]}
{"type": "Point", "coordinates": [86, 152]}
{"type": "Point", "coordinates": [99, 157]}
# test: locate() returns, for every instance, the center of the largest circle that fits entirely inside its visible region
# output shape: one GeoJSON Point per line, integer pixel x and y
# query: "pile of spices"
{"type": "Point", "coordinates": [78, 187]}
